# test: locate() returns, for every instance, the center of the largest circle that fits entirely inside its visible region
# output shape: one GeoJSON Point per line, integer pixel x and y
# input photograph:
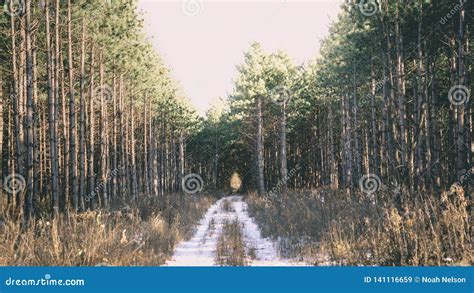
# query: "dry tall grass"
{"type": "Point", "coordinates": [230, 245]}
{"type": "Point", "coordinates": [356, 230]}
{"type": "Point", "coordinates": [134, 237]}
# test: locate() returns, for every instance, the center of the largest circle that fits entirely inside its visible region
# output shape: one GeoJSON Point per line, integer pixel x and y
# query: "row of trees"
{"type": "Point", "coordinates": [90, 115]}
{"type": "Point", "coordinates": [387, 96]}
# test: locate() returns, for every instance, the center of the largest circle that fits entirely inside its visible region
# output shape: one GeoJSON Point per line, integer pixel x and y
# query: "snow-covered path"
{"type": "Point", "coordinates": [200, 250]}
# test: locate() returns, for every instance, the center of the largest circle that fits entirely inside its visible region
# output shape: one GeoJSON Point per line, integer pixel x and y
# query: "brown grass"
{"type": "Point", "coordinates": [227, 206]}
{"type": "Point", "coordinates": [134, 237]}
{"type": "Point", "coordinates": [230, 245]}
{"type": "Point", "coordinates": [328, 226]}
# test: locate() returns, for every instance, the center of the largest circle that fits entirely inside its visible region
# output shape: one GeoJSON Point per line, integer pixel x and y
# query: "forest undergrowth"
{"type": "Point", "coordinates": [326, 226]}
{"type": "Point", "coordinates": [141, 236]}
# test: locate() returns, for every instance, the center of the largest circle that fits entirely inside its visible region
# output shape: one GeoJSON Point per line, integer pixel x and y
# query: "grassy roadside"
{"type": "Point", "coordinates": [329, 227]}
{"type": "Point", "coordinates": [144, 236]}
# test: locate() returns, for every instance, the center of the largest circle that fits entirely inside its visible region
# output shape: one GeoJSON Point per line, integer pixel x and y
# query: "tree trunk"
{"type": "Point", "coordinates": [260, 147]}
{"type": "Point", "coordinates": [283, 162]}
{"type": "Point", "coordinates": [28, 204]}
{"type": "Point", "coordinates": [72, 116]}
{"type": "Point", "coordinates": [114, 138]}
{"type": "Point", "coordinates": [401, 94]}
{"type": "Point", "coordinates": [103, 139]}
{"type": "Point", "coordinates": [374, 131]}
{"type": "Point", "coordinates": [146, 179]}
{"type": "Point", "coordinates": [63, 199]}
{"type": "Point", "coordinates": [82, 121]}
{"type": "Point", "coordinates": [461, 143]}
{"type": "Point", "coordinates": [16, 98]}
{"type": "Point", "coordinates": [52, 119]}
{"type": "Point", "coordinates": [91, 195]}
{"type": "Point", "coordinates": [357, 149]}
{"type": "Point", "coordinates": [133, 154]}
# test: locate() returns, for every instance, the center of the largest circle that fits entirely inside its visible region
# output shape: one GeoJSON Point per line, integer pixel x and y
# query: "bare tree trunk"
{"type": "Point", "coordinates": [357, 149]}
{"type": "Point", "coordinates": [162, 155]}
{"type": "Point", "coordinates": [182, 158]}
{"type": "Point", "coordinates": [90, 145]}
{"type": "Point", "coordinates": [127, 154]}
{"type": "Point", "coordinates": [461, 143]}
{"type": "Point", "coordinates": [334, 173]}
{"type": "Point", "coordinates": [374, 126]}
{"type": "Point", "coordinates": [59, 96]}
{"type": "Point", "coordinates": [401, 94]}
{"type": "Point", "coordinates": [16, 97]}
{"type": "Point", "coordinates": [146, 180]}
{"type": "Point", "coordinates": [422, 112]}
{"type": "Point", "coordinates": [430, 136]}
{"type": "Point", "coordinates": [123, 158]}
{"type": "Point", "coordinates": [260, 147]}
{"type": "Point", "coordinates": [72, 116]}
{"type": "Point", "coordinates": [36, 126]}
{"type": "Point", "coordinates": [52, 119]}
{"type": "Point", "coordinates": [82, 121]}
{"type": "Point", "coordinates": [133, 155]}
{"type": "Point", "coordinates": [114, 138]}
{"type": "Point", "coordinates": [103, 139]}
{"type": "Point", "coordinates": [11, 156]}
{"type": "Point", "coordinates": [347, 146]}
{"type": "Point", "coordinates": [389, 100]}
{"type": "Point", "coordinates": [28, 204]}
{"type": "Point", "coordinates": [152, 153]}
{"type": "Point", "coordinates": [417, 111]}
{"type": "Point", "coordinates": [283, 162]}
{"type": "Point", "coordinates": [63, 199]}
{"type": "Point", "coordinates": [172, 169]}
{"type": "Point", "coordinates": [155, 172]}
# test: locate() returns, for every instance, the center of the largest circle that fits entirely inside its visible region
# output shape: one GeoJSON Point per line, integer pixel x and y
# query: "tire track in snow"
{"type": "Point", "coordinates": [200, 250]}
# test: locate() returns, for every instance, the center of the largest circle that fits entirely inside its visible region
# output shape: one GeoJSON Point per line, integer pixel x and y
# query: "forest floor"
{"type": "Point", "coordinates": [210, 247]}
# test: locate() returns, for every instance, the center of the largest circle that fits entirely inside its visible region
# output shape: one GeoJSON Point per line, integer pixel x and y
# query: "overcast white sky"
{"type": "Point", "coordinates": [203, 41]}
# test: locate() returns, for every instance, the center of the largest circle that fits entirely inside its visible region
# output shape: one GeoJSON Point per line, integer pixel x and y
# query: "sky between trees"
{"type": "Point", "coordinates": [204, 41]}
